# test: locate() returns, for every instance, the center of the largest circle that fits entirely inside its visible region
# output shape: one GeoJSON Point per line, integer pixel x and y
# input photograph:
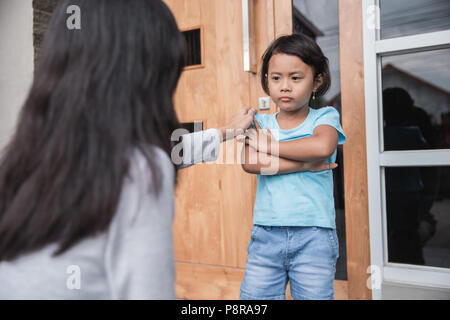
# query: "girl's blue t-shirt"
{"type": "Point", "coordinates": [299, 198]}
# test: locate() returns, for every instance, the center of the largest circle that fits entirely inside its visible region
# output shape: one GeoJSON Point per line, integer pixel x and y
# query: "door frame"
{"type": "Point", "coordinates": [377, 159]}
{"type": "Point", "coordinates": [354, 150]}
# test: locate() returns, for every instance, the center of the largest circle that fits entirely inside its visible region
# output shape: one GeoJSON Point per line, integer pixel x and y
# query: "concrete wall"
{"type": "Point", "coordinates": [16, 61]}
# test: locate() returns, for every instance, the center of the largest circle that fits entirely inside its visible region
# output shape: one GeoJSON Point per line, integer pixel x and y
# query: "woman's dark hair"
{"type": "Point", "coordinates": [98, 93]}
{"type": "Point", "coordinates": [306, 49]}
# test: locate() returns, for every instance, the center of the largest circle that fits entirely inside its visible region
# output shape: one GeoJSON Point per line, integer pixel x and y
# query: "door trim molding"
{"type": "Point", "coordinates": [354, 150]}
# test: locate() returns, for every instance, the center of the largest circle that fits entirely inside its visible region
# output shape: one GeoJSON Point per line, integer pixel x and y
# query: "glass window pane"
{"type": "Point", "coordinates": [400, 18]}
{"type": "Point", "coordinates": [416, 100]}
{"type": "Point", "coordinates": [418, 215]}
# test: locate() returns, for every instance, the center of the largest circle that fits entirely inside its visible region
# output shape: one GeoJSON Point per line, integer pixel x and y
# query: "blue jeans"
{"type": "Point", "coordinates": [304, 256]}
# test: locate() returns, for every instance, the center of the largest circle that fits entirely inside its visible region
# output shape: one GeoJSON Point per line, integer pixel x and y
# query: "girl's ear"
{"type": "Point", "coordinates": [318, 81]}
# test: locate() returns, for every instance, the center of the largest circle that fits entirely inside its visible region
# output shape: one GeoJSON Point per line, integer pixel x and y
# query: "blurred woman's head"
{"type": "Point", "coordinates": [98, 93]}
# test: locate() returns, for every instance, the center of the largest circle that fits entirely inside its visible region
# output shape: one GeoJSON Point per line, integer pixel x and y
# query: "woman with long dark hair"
{"type": "Point", "coordinates": [86, 183]}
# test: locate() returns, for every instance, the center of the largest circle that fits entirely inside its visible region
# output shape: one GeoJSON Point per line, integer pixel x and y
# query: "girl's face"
{"type": "Point", "coordinates": [291, 82]}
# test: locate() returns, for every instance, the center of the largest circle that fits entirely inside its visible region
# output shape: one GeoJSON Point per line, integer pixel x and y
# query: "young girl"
{"type": "Point", "coordinates": [293, 238]}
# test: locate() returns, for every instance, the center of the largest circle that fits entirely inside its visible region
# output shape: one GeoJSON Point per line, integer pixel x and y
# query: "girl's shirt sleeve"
{"type": "Point", "coordinates": [261, 119]}
{"type": "Point", "coordinates": [257, 118]}
{"type": "Point", "coordinates": [330, 116]}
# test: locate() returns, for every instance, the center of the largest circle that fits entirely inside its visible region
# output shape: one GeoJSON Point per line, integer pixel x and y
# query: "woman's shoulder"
{"type": "Point", "coordinates": [140, 168]}
{"type": "Point", "coordinates": [151, 175]}
{"type": "Point", "coordinates": [146, 186]}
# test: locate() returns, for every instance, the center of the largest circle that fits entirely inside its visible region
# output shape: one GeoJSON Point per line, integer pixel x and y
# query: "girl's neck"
{"type": "Point", "coordinates": [298, 115]}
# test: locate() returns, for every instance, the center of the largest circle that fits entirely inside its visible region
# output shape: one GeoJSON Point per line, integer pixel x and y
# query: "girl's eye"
{"type": "Point", "coordinates": [275, 78]}
{"type": "Point", "coordinates": [296, 78]}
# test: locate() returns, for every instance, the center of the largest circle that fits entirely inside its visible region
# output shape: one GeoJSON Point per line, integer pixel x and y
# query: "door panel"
{"type": "Point", "coordinates": [214, 202]}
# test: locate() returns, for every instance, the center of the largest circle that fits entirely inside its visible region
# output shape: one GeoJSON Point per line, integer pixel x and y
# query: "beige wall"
{"type": "Point", "coordinates": [16, 61]}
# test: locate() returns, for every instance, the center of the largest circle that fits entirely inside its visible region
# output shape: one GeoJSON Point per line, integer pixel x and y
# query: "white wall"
{"type": "Point", "coordinates": [16, 61]}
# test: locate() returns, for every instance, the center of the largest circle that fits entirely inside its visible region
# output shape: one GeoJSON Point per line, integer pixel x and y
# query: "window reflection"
{"type": "Point", "coordinates": [416, 100]}
{"type": "Point", "coordinates": [407, 127]}
{"type": "Point", "coordinates": [407, 17]}
{"type": "Point", "coordinates": [418, 215]}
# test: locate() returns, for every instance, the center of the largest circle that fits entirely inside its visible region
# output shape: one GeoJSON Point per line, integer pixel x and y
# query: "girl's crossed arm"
{"type": "Point", "coordinates": [257, 162]}
{"type": "Point", "coordinates": [320, 146]}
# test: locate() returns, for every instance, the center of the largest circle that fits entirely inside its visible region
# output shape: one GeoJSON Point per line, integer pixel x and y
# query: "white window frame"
{"type": "Point", "coordinates": [377, 159]}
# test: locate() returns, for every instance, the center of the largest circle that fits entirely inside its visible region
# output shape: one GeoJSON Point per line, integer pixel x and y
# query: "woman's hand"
{"type": "Point", "coordinates": [239, 122]}
{"type": "Point", "coordinates": [260, 141]}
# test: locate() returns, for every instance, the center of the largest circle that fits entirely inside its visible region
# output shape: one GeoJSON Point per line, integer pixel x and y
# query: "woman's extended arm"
{"type": "Point", "coordinates": [203, 146]}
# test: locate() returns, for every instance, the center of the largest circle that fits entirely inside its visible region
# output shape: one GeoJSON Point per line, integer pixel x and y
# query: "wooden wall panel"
{"type": "Point", "coordinates": [273, 18]}
{"type": "Point", "coordinates": [237, 188]}
{"type": "Point", "coordinates": [213, 201]}
{"type": "Point", "coordinates": [264, 20]}
{"type": "Point", "coordinates": [197, 214]}
{"type": "Point", "coordinates": [283, 17]}
{"type": "Point", "coordinates": [200, 282]}
{"type": "Point", "coordinates": [193, 99]}
{"type": "Point", "coordinates": [354, 150]}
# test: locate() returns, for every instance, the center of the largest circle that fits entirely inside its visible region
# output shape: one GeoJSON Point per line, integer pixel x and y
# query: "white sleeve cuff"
{"type": "Point", "coordinates": [201, 146]}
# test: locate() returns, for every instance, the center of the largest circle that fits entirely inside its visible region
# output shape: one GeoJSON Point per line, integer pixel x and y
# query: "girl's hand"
{"type": "Point", "coordinates": [317, 166]}
{"type": "Point", "coordinates": [258, 140]}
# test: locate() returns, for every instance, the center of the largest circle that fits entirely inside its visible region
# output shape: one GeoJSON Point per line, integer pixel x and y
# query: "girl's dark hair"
{"type": "Point", "coordinates": [306, 49]}
{"type": "Point", "coordinates": [98, 93]}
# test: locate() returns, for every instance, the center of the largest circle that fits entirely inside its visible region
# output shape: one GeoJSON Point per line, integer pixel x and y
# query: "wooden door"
{"type": "Point", "coordinates": [214, 202]}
